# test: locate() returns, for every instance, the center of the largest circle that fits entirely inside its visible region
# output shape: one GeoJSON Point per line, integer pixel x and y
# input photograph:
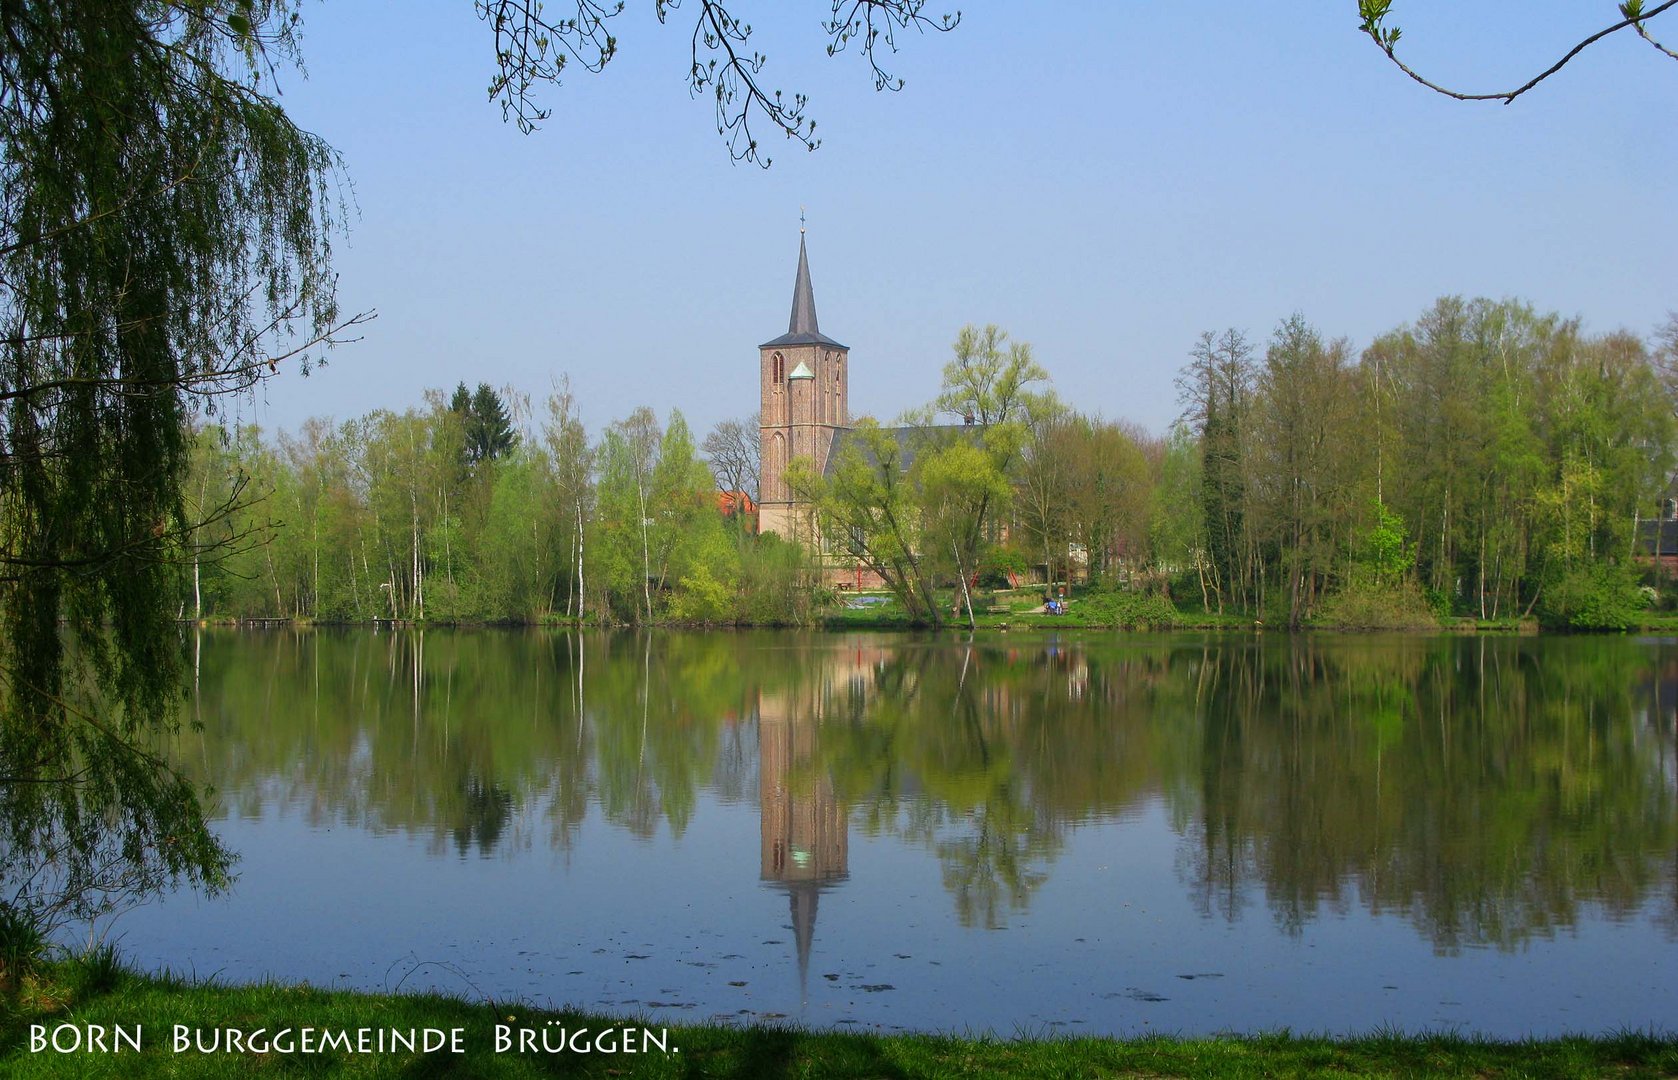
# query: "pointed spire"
{"type": "Point", "coordinates": [801, 327]}
{"type": "Point", "coordinates": [802, 899]}
{"type": "Point", "coordinates": [803, 319]}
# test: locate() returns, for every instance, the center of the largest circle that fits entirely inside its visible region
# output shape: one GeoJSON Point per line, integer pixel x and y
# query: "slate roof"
{"type": "Point", "coordinates": [1658, 538]}
{"type": "Point", "coordinates": [909, 440]}
{"type": "Point", "coordinates": [801, 328]}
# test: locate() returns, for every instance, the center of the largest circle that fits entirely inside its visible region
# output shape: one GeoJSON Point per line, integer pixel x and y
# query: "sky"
{"type": "Point", "coordinates": [1104, 180]}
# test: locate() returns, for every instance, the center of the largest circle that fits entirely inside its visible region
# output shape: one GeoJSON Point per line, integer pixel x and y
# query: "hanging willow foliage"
{"type": "Point", "coordinates": [163, 242]}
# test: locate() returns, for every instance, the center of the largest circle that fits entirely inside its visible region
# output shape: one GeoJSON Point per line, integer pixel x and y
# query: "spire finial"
{"type": "Point", "coordinates": [801, 220]}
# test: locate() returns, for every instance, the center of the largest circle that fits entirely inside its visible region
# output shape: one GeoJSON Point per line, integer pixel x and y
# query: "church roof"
{"type": "Point", "coordinates": [802, 371]}
{"type": "Point", "coordinates": [801, 328]}
{"type": "Point", "coordinates": [910, 442]}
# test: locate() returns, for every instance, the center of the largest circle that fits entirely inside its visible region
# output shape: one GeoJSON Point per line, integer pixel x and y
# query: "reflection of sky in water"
{"type": "Point", "coordinates": [1119, 927]}
{"type": "Point", "coordinates": [1108, 944]}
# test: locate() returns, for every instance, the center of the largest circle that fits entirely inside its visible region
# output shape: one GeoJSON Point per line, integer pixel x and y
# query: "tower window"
{"type": "Point", "coordinates": [780, 365]}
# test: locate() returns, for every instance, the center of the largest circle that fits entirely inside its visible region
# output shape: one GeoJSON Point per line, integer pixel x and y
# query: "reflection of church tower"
{"type": "Point", "coordinates": [805, 842]}
{"type": "Point", "coordinates": [804, 402]}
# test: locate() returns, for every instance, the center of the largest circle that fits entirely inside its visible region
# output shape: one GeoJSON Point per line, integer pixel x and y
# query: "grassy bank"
{"type": "Point", "coordinates": [83, 995]}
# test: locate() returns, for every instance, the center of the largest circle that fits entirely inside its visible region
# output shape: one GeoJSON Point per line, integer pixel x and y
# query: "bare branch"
{"type": "Point", "coordinates": [531, 48]}
{"type": "Point", "coordinates": [1643, 32]}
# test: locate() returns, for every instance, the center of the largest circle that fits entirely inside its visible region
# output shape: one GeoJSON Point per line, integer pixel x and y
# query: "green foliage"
{"type": "Point", "coordinates": [99, 970]}
{"type": "Point", "coordinates": [998, 563]}
{"type": "Point", "coordinates": [164, 241]}
{"type": "Point", "coordinates": [1492, 441]}
{"type": "Point", "coordinates": [24, 946]}
{"type": "Point", "coordinates": [870, 508]}
{"type": "Point", "coordinates": [1127, 610]}
{"type": "Point", "coordinates": [1384, 555]}
{"type": "Point", "coordinates": [1218, 386]}
{"type": "Point", "coordinates": [989, 384]}
{"type": "Point", "coordinates": [1591, 596]}
{"type": "Point", "coordinates": [486, 426]}
{"type": "Point", "coordinates": [1376, 605]}
{"type": "Point", "coordinates": [777, 587]}
{"type": "Point", "coordinates": [1176, 523]}
{"type": "Point", "coordinates": [701, 599]}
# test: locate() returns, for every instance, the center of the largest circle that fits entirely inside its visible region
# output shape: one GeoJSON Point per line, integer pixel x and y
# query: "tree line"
{"type": "Point", "coordinates": [469, 508]}
{"type": "Point", "coordinates": [1487, 460]}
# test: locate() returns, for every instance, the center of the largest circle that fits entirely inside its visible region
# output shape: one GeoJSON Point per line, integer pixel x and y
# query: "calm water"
{"type": "Point", "coordinates": [1029, 833]}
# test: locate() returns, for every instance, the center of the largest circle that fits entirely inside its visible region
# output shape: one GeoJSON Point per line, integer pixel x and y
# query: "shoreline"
{"type": "Point", "coordinates": [1664, 623]}
{"type": "Point", "coordinates": [166, 1021]}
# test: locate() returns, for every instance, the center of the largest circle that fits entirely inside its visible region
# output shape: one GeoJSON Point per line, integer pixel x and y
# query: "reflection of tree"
{"type": "Point", "coordinates": [487, 808]}
{"type": "Point", "coordinates": [1488, 789]}
{"type": "Point", "coordinates": [1485, 789]}
{"type": "Point", "coordinates": [990, 864]}
{"type": "Point", "coordinates": [937, 747]}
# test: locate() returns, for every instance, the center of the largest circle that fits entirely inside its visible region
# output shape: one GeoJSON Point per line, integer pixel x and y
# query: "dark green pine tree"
{"type": "Point", "coordinates": [487, 426]}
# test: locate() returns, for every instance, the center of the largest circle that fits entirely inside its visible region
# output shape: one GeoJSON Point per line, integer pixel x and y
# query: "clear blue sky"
{"type": "Point", "coordinates": [1103, 180]}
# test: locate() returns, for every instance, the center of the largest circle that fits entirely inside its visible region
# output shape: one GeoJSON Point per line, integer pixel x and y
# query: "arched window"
{"type": "Point", "coordinates": [775, 473]}
{"type": "Point", "coordinates": [780, 366]}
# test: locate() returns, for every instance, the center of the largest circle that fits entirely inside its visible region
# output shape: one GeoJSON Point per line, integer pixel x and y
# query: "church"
{"type": "Point", "coordinates": [804, 411]}
{"type": "Point", "coordinates": [804, 407]}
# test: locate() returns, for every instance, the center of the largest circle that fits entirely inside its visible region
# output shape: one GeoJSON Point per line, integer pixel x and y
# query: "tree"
{"type": "Point", "coordinates": [1633, 16]}
{"type": "Point", "coordinates": [628, 457]}
{"type": "Point", "coordinates": [572, 462]}
{"type": "Point", "coordinates": [680, 497]}
{"type": "Point", "coordinates": [1302, 401]}
{"type": "Point", "coordinates": [989, 386]}
{"type": "Point", "coordinates": [532, 47]}
{"type": "Point", "coordinates": [163, 241]}
{"type": "Point", "coordinates": [1109, 495]}
{"type": "Point", "coordinates": [1665, 357]}
{"type": "Point", "coordinates": [1177, 530]}
{"type": "Point", "coordinates": [870, 507]}
{"type": "Point", "coordinates": [959, 483]}
{"type": "Point", "coordinates": [1216, 390]}
{"type": "Point", "coordinates": [486, 427]}
{"type": "Point", "coordinates": [732, 449]}
{"type": "Point", "coordinates": [1043, 484]}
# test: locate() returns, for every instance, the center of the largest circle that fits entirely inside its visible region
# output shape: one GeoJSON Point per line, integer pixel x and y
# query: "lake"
{"type": "Point", "coordinates": [1023, 834]}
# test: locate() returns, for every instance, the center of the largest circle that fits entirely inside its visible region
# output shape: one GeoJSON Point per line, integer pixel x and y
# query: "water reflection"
{"type": "Point", "coordinates": [803, 827]}
{"type": "Point", "coordinates": [1487, 791]}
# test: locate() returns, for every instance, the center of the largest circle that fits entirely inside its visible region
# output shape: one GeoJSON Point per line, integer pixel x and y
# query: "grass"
{"type": "Point", "coordinates": [58, 994]}
{"type": "Point", "coordinates": [1013, 610]}
{"type": "Point", "coordinates": [1016, 610]}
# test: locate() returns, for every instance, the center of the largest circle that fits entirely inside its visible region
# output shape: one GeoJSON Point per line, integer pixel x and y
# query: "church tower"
{"type": "Point", "coordinates": [804, 405]}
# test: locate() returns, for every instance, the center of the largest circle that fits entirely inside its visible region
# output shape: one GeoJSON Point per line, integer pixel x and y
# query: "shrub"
{"type": "Point", "coordinates": [23, 946]}
{"type": "Point", "coordinates": [997, 563]}
{"type": "Point", "coordinates": [1371, 606]}
{"type": "Point", "coordinates": [99, 970]}
{"type": "Point", "coordinates": [1127, 610]}
{"type": "Point", "coordinates": [1590, 596]}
